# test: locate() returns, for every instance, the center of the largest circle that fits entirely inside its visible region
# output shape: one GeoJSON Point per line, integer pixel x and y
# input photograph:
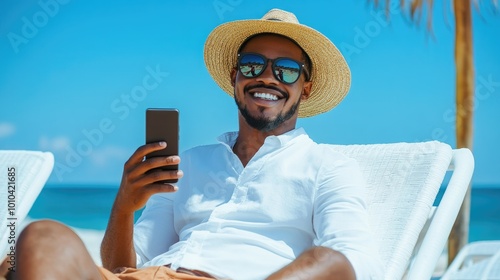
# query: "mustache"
{"type": "Point", "coordinates": [250, 87]}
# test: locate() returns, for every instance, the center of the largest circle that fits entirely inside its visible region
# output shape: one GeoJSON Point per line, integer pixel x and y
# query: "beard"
{"type": "Point", "coordinates": [263, 123]}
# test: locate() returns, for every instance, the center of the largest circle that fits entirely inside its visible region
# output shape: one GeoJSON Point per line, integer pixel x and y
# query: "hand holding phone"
{"type": "Point", "coordinates": [163, 125]}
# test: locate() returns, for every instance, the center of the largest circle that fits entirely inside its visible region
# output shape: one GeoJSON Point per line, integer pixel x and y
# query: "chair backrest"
{"type": "Point", "coordinates": [22, 176]}
{"type": "Point", "coordinates": [403, 181]}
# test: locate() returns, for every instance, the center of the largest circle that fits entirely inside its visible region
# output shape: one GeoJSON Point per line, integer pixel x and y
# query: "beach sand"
{"type": "Point", "coordinates": [92, 240]}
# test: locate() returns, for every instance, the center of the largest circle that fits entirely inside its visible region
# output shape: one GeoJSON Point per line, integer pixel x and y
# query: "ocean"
{"type": "Point", "coordinates": [89, 206]}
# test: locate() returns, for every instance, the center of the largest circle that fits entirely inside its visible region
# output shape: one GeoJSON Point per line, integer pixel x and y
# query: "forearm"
{"type": "Point", "coordinates": [140, 180]}
{"type": "Point", "coordinates": [117, 247]}
{"type": "Point", "coordinates": [317, 263]}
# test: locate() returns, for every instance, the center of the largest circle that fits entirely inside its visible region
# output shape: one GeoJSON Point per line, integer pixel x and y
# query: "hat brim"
{"type": "Point", "coordinates": [330, 75]}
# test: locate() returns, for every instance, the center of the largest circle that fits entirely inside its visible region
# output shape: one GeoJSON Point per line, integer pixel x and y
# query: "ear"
{"type": "Point", "coordinates": [306, 91]}
{"type": "Point", "coordinates": [233, 76]}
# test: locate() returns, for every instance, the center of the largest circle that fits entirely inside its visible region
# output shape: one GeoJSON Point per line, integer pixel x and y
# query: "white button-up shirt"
{"type": "Point", "coordinates": [248, 222]}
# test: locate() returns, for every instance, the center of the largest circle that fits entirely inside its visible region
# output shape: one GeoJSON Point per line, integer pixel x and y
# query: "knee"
{"type": "Point", "coordinates": [43, 227]}
{"type": "Point", "coordinates": [327, 255]}
{"type": "Point", "coordinates": [43, 231]}
{"type": "Point", "coordinates": [50, 250]}
{"type": "Point", "coordinates": [42, 239]}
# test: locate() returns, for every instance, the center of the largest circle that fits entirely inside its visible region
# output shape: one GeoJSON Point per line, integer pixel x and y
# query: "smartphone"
{"type": "Point", "coordinates": [163, 125]}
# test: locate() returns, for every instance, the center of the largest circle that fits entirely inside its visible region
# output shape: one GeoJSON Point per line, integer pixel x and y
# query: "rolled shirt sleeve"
{"type": "Point", "coordinates": [154, 231]}
{"type": "Point", "coordinates": [340, 217]}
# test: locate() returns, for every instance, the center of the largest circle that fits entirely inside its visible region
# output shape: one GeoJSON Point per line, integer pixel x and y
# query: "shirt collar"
{"type": "Point", "coordinates": [229, 138]}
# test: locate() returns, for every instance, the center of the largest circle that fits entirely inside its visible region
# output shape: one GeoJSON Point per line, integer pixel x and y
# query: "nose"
{"type": "Point", "coordinates": [267, 77]}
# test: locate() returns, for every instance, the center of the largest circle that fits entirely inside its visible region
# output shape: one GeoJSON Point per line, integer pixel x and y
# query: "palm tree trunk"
{"type": "Point", "coordinates": [464, 115]}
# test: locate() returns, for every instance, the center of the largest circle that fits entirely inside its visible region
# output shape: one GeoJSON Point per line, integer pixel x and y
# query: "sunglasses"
{"type": "Point", "coordinates": [285, 70]}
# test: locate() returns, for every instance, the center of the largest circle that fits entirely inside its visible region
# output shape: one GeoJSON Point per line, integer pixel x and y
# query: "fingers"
{"type": "Point", "coordinates": [159, 188]}
{"type": "Point", "coordinates": [142, 151]}
{"type": "Point", "coordinates": [150, 185]}
{"type": "Point", "coordinates": [134, 193]}
{"type": "Point", "coordinates": [159, 175]}
{"type": "Point", "coordinates": [142, 178]}
{"type": "Point", "coordinates": [143, 194]}
{"type": "Point", "coordinates": [152, 163]}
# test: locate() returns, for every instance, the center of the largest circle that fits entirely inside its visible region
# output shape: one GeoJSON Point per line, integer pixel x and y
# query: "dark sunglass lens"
{"type": "Point", "coordinates": [251, 65]}
{"type": "Point", "coordinates": [287, 70]}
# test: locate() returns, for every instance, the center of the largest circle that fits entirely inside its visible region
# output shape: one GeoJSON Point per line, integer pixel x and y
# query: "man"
{"type": "Point", "coordinates": [266, 202]}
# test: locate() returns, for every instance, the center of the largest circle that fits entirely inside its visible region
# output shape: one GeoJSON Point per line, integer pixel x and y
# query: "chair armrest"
{"type": "Point", "coordinates": [462, 165]}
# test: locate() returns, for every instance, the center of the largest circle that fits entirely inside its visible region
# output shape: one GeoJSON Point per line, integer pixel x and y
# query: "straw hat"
{"type": "Point", "coordinates": [330, 74]}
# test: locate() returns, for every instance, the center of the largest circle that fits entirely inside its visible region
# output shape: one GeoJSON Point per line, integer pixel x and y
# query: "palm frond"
{"type": "Point", "coordinates": [447, 9]}
{"type": "Point", "coordinates": [416, 9]}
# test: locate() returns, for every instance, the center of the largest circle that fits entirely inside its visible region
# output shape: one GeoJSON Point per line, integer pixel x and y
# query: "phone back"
{"type": "Point", "coordinates": [163, 125]}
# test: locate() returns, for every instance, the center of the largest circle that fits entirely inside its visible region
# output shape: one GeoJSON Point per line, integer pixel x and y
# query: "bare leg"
{"type": "Point", "coordinates": [51, 250]}
{"type": "Point", "coordinates": [4, 268]}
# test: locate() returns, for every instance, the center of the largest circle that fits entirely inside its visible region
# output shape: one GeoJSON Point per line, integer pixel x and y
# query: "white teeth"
{"type": "Point", "coordinates": [266, 96]}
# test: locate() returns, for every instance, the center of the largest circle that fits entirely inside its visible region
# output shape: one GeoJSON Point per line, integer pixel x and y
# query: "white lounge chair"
{"type": "Point", "coordinates": [403, 181]}
{"type": "Point", "coordinates": [478, 260]}
{"type": "Point", "coordinates": [29, 171]}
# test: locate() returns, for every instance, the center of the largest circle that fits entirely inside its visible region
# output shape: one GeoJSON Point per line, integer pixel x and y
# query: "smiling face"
{"type": "Point", "coordinates": [265, 103]}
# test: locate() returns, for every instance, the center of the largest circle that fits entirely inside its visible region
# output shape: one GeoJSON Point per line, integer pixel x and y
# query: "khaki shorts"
{"type": "Point", "coordinates": [150, 273]}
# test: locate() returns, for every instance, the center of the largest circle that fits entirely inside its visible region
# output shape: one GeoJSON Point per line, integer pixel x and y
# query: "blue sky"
{"type": "Point", "coordinates": [72, 78]}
